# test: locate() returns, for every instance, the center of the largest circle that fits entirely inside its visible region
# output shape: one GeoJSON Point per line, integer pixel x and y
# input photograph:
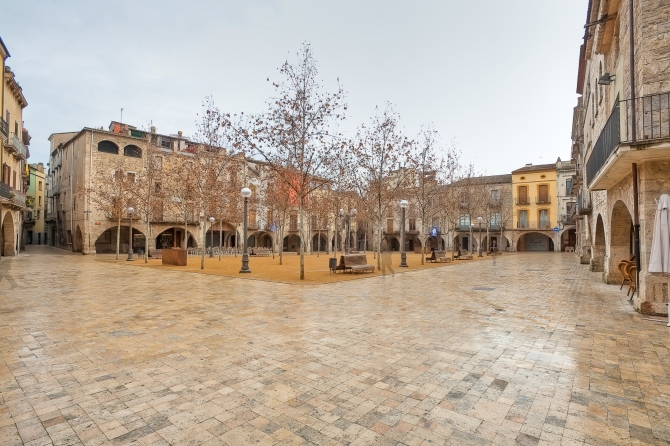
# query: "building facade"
{"type": "Point", "coordinates": [14, 177]}
{"type": "Point", "coordinates": [535, 210]}
{"type": "Point", "coordinates": [623, 134]}
{"type": "Point", "coordinates": [34, 228]}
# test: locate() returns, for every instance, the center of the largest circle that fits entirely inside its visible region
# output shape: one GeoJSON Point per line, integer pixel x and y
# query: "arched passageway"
{"type": "Point", "coordinates": [319, 243]}
{"type": "Point", "coordinates": [598, 251]}
{"type": "Point", "coordinates": [264, 240]}
{"type": "Point", "coordinates": [535, 241]}
{"type": "Point", "coordinates": [169, 238]}
{"type": "Point", "coordinates": [78, 240]}
{"type": "Point", "coordinates": [621, 240]}
{"type": "Point", "coordinates": [501, 243]}
{"type": "Point", "coordinates": [291, 243]}
{"type": "Point", "coordinates": [106, 242]}
{"type": "Point", "coordinates": [8, 243]}
{"type": "Point", "coordinates": [568, 239]}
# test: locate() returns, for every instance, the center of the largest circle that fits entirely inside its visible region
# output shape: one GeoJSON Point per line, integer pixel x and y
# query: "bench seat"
{"type": "Point", "coordinates": [356, 263]}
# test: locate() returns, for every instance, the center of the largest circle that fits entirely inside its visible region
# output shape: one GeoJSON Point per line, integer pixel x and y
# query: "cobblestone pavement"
{"type": "Point", "coordinates": [533, 350]}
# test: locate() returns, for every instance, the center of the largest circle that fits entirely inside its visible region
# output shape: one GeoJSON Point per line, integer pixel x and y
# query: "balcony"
{"type": "Point", "coordinates": [542, 200]}
{"type": "Point", "coordinates": [522, 200]}
{"type": "Point", "coordinates": [15, 145]}
{"type": "Point", "coordinates": [11, 197]}
{"type": "Point", "coordinates": [534, 225]}
{"type": "Point", "coordinates": [4, 127]}
{"type": "Point", "coordinates": [616, 148]}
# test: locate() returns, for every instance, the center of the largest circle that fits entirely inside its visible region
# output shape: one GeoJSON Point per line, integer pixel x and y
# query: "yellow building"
{"type": "Point", "coordinates": [14, 175]}
{"type": "Point", "coordinates": [35, 229]}
{"type": "Point", "coordinates": [535, 204]}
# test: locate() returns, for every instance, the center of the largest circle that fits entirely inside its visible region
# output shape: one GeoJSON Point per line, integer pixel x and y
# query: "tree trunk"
{"type": "Point", "coordinates": [379, 250]}
{"type": "Point", "coordinates": [220, 238]}
{"type": "Point", "coordinates": [146, 240]}
{"type": "Point", "coordinates": [204, 245]}
{"type": "Point", "coordinates": [185, 246]}
{"type": "Point", "coordinates": [302, 244]}
{"type": "Point", "coordinates": [423, 248]}
{"type": "Point", "coordinates": [118, 237]}
{"type": "Point", "coordinates": [318, 243]}
{"type": "Point", "coordinates": [281, 245]}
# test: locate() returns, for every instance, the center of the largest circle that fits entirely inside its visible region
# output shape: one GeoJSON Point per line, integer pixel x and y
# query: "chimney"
{"type": "Point", "coordinates": [153, 129]}
{"type": "Point", "coordinates": [179, 133]}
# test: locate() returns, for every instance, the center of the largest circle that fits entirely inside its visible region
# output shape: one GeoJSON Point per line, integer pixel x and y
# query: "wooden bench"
{"type": "Point", "coordinates": [261, 252]}
{"type": "Point", "coordinates": [436, 256]}
{"type": "Point", "coordinates": [155, 253]}
{"type": "Point", "coordinates": [356, 263]}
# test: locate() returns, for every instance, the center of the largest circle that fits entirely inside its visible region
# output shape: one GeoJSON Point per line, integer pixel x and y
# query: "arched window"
{"type": "Point", "coordinates": [132, 151]}
{"type": "Point", "coordinates": [108, 147]}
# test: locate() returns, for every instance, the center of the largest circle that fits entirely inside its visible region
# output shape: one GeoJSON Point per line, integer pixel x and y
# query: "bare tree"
{"type": "Point", "coordinates": [293, 136]}
{"type": "Point", "coordinates": [114, 195]}
{"type": "Point", "coordinates": [148, 191]}
{"type": "Point", "coordinates": [378, 155]}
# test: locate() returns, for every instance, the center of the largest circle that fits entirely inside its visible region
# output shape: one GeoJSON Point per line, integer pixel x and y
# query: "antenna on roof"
{"type": "Point", "coordinates": [121, 121]}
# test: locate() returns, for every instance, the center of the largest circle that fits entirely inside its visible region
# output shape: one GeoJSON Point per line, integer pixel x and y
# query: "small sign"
{"type": "Point", "coordinates": [556, 229]}
{"type": "Point", "coordinates": [433, 231]}
{"type": "Point", "coordinates": [274, 227]}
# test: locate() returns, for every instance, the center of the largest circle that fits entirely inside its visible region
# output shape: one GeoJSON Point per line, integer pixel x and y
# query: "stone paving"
{"type": "Point", "coordinates": [533, 350]}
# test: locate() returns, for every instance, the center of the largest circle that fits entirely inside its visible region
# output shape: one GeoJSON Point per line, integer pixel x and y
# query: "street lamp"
{"type": "Point", "coordinates": [131, 256]}
{"type": "Point", "coordinates": [403, 254]}
{"type": "Point", "coordinates": [211, 237]}
{"type": "Point", "coordinates": [246, 193]}
{"type": "Point", "coordinates": [480, 236]}
{"type": "Point", "coordinates": [347, 221]}
{"type": "Point", "coordinates": [472, 228]}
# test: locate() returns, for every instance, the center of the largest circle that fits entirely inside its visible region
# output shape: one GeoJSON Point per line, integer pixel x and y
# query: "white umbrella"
{"type": "Point", "coordinates": [659, 262]}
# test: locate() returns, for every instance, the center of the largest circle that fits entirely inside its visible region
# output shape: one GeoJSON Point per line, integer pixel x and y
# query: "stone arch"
{"type": "Point", "coordinates": [291, 243]}
{"type": "Point", "coordinates": [8, 231]}
{"type": "Point", "coordinates": [535, 241]}
{"type": "Point", "coordinates": [132, 151]}
{"type": "Point", "coordinates": [172, 237]}
{"type": "Point", "coordinates": [599, 247]}
{"type": "Point", "coordinates": [621, 240]}
{"type": "Point", "coordinates": [494, 238]}
{"type": "Point", "coordinates": [264, 240]}
{"type": "Point", "coordinates": [105, 243]}
{"type": "Point", "coordinates": [340, 243]}
{"type": "Point", "coordinates": [568, 238]}
{"type": "Point", "coordinates": [390, 243]}
{"type": "Point", "coordinates": [319, 243]}
{"type": "Point", "coordinates": [108, 147]}
{"type": "Point", "coordinates": [78, 240]}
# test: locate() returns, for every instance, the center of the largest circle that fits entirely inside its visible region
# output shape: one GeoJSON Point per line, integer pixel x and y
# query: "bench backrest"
{"type": "Point", "coordinates": [354, 259]}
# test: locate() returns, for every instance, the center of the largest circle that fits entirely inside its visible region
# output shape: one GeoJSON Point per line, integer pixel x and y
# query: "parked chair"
{"type": "Point", "coordinates": [632, 273]}
{"type": "Point", "coordinates": [623, 269]}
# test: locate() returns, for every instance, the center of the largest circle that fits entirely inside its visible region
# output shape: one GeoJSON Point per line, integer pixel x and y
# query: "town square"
{"type": "Point", "coordinates": [335, 223]}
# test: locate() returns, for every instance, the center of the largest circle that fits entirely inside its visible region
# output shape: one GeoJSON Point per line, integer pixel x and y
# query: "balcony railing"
{"type": "Point", "coordinates": [542, 200]}
{"type": "Point", "coordinates": [539, 226]}
{"type": "Point", "coordinates": [12, 196]}
{"type": "Point", "coordinates": [652, 115]}
{"type": "Point", "coordinates": [522, 200]}
{"type": "Point", "coordinates": [4, 127]}
{"type": "Point", "coordinates": [17, 144]}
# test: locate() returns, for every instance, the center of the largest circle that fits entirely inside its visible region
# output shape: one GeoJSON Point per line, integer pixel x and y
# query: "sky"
{"type": "Point", "coordinates": [495, 78]}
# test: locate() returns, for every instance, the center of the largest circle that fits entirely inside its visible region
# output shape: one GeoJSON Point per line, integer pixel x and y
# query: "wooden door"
{"type": "Point", "coordinates": [543, 192]}
{"type": "Point", "coordinates": [523, 194]}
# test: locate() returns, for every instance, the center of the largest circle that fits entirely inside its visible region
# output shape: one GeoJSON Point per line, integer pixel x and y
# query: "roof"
{"type": "Point", "coordinates": [535, 167]}
{"type": "Point", "coordinates": [4, 47]}
{"type": "Point", "coordinates": [488, 179]}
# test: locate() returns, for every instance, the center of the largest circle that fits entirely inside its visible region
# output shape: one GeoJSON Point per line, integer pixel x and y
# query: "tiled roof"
{"type": "Point", "coordinates": [535, 167]}
{"type": "Point", "coordinates": [488, 179]}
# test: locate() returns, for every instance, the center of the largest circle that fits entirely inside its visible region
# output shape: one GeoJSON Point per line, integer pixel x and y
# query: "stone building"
{"type": "Point", "coordinates": [566, 202]}
{"type": "Point", "coordinates": [14, 176]}
{"type": "Point", "coordinates": [623, 134]}
{"type": "Point", "coordinates": [34, 232]}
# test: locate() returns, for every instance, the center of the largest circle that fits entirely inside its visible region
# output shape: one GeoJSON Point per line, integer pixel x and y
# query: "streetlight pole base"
{"type": "Point", "coordinates": [245, 263]}
{"type": "Point", "coordinates": [403, 260]}
{"type": "Point", "coordinates": [480, 253]}
{"type": "Point", "coordinates": [131, 256]}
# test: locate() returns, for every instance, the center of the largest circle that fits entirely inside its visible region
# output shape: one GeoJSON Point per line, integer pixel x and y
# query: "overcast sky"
{"type": "Point", "coordinates": [497, 77]}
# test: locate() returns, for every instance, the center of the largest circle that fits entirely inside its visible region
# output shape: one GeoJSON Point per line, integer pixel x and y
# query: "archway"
{"type": "Point", "coordinates": [535, 241]}
{"type": "Point", "coordinates": [264, 240]}
{"type": "Point", "coordinates": [339, 245]}
{"type": "Point", "coordinates": [495, 240]}
{"type": "Point", "coordinates": [598, 251]}
{"type": "Point", "coordinates": [8, 245]}
{"type": "Point", "coordinates": [219, 234]}
{"type": "Point", "coordinates": [291, 243]}
{"type": "Point", "coordinates": [319, 242]}
{"type": "Point", "coordinates": [106, 242]}
{"type": "Point", "coordinates": [78, 240]}
{"type": "Point", "coordinates": [169, 238]}
{"type": "Point", "coordinates": [621, 240]}
{"type": "Point", "coordinates": [569, 239]}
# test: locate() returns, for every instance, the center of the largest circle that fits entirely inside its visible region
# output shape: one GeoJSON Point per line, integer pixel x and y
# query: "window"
{"type": "Point", "coordinates": [544, 218]}
{"type": "Point", "coordinates": [523, 219]}
{"type": "Point", "coordinates": [38, 214]}
{"type": "Point", "coordinates": [495, 220]}
{"type": "Point", "coordinates": [131, 176]}
{"type": "Point", "coordinates": [293, 223]}
{"type": "Point", "coordinates": [543, 193]}
{"type": "Point", "coordinates": [252, 218]}
{"type": "Point", "coordinates": [39, 185]}
{"type": "Point", "coordinates": [495, 195]}
{"type": "Point", "coordinates": [166, 143]}
{"type": "Point", "coordinates": [39, 201]}
{"type": "Point", "coordinates": [389, 226]}
{"type": "Point", "coordinates": [523, 195]}
{"type": "Point", "coordinates": [464, 221]}
{"type": "Point", "coordinates": [105, 237]}
{"type": "Point", "coordinates": [314, 223]}
{"type": "Point", "coordinates": [132, 151]}
{"type": "Point", "coordinates": [158, 162]}
{"type": "Point", "coordinates": [107, 147]}
{"type": "Point", "coordinates": [14, 180]}
{"type": "Point", "coordinates": [157, 188]}
{"type": "Point", "coordinates": [568, 186]}
{"type": "Point", "coordinates": [412, 224]}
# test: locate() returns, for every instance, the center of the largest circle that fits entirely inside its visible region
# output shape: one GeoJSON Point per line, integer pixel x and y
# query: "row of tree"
{"type": "Point", "coordinates": [302, 165]}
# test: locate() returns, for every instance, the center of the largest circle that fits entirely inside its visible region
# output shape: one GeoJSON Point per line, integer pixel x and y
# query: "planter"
{"type": "Point", "coordinates": [175, 256]}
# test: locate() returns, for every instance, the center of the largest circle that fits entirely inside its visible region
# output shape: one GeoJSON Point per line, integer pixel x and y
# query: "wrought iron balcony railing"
{"type": "Point", "coordinates": [522, 200]}
{"type": "Point", "coordinates": [4, 127]}
{"type": "Point", "coordinates": [12, 196]}
{"type": "Point", "coordinates": [542, 200]}
{"type": "Point", "coordinates": [16, 143]}
{"type": "Point", "coordinates": [539, 226]}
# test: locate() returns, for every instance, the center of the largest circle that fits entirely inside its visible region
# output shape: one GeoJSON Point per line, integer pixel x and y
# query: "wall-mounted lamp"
{"type": "Point", "coordinates": [606, 79]}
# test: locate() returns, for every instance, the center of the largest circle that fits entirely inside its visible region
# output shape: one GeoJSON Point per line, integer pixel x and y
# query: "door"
{"type": "Point", "coordinates": [543, 193]}
{"type": "Point", "coordinates": [544, 219]}
{"type": "Point", "coordinates": [465, 243]}
{"type": "Point", "coordinates": [523, 219]}
{"type": "Point", "coordinates": [523, 195]}
{"type": "Point", "coordinates": [389, 226]}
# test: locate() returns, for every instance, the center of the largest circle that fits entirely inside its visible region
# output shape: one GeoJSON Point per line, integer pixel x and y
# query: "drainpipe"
{"type": "Point", "coordinates": [72, 235]}
{"type": "Point", "coordinates": [636, 211]}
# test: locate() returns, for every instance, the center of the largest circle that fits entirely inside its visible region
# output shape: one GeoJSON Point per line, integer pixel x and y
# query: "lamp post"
{"type": "Point", "coordinates": [480, 236]}
{"type": "Point", "coordinates": [472, 228]}
{"type": "Point", "coordinates": [246, 193]}
{"type": "Point", "coordinates": [347, 224]}
{"type": "Point", "coordinates": [211, 237]}
{"type": "Point", "coordinates": [131, 256]}
{"type": "Point", "coordinates": [403, 254]}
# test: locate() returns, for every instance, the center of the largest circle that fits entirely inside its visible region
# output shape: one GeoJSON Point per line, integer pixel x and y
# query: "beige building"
{"type": "Point", "coordinates": [14, 176]}
{"type": "Point", "coordinates": [621, 136]}
{"type": "Point", "coordinates": [34, 228]}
